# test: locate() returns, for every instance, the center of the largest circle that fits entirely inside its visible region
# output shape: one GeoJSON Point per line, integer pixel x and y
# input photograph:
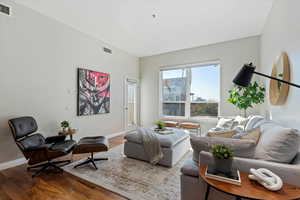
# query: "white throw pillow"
{"type": "Point", "coordinates": [240, 122]}
{"type": "Point", "coordinates": [224, 124]}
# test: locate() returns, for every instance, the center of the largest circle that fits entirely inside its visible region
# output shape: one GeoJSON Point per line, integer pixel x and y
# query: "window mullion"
{"type": "Point", "coordinates": [160, 95]}
{"type": "Point", "coordinates": [188, 96]}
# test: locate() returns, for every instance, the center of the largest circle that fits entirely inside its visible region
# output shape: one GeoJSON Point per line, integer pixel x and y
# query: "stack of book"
{"type": "Point", "coordinates": [232, 177]}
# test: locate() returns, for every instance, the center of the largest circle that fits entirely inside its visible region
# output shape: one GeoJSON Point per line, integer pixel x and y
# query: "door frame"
{"type": "Point", "coordinates": [125, 114]}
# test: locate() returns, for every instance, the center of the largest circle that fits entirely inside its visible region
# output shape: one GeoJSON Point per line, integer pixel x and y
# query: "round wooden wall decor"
{"type": "Point", "coordinates": [278, 92]}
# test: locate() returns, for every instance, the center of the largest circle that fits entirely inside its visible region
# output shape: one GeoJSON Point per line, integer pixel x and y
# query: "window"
{"type": "Point", "coordinates": [174, 92]}
{"type": "Point", "coordinates": [190, 91]}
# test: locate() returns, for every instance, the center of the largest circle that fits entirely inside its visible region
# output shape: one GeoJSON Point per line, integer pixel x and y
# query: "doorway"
{"type": "Point", "coordinates": [131, 104]}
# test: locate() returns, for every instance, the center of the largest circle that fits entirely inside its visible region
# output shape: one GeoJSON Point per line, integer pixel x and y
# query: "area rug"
{"type": "Point", "coordinates": [133, 179]}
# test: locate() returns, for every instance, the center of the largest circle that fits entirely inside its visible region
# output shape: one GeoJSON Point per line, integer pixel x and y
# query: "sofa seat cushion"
{"type": "Point", "coordinates": [167, 141]}
{"type": "Point", "coordinates": [253, 134]}
{"type": "Point", "coordinates": [241, 148]}
{"type": "Point", "coordinates": [277, 143]}
{"type": "Point", "coordinates": [190, 168]}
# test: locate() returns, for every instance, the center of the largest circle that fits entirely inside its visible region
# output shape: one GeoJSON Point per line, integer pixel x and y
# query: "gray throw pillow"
{"type": "Point", "coordinates": [277, 143]}
{"type": "Point", "coordinates": [242, 148]}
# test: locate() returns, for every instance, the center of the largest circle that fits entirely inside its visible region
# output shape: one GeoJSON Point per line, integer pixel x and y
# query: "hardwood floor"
{"type": "Point", "coordinates": [16, 184]}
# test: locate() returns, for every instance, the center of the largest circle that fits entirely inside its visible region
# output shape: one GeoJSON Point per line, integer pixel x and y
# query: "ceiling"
{"type": "Point", "coordinates": [178, 24]}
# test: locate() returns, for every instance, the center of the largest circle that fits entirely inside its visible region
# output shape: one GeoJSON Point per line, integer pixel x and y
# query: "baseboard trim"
{"type": "Point", "coordinates": [12, 163]}
{"type": "Point", "coordinates": [116, 134]}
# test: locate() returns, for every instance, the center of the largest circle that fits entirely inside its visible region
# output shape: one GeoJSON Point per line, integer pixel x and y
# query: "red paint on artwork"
{"type": "Point", "coordinates": [100, 81]}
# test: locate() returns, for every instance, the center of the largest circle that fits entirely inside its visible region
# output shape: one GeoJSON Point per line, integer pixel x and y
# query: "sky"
{"type": "Point", "coordinates": [205, 81]}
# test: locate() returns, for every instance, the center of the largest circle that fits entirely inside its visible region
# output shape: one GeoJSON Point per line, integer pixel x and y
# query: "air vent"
{"type": "Point", "coordinates": [107, 50]}
{"type": "Point", "coordinates": [4, 9]}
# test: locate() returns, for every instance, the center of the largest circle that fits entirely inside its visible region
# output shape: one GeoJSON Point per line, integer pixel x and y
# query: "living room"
{"type": "Point", "coordinates": [133, 99]}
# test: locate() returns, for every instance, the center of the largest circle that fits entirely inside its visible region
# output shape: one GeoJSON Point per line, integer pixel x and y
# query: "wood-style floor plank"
{"type": "Point", "coordinates": [16, 184]}
{"type": "Point", "coordinates": [3, 195]}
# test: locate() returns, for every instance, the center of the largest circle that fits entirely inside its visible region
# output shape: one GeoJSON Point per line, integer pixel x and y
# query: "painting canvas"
{"type": "Point", "coordinates": [93, 92]}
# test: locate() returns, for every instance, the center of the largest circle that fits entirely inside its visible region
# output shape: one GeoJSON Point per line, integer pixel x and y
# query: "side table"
{"type": "Point", "coordinates": [249, 189]}
{"type": "Point", "coordinates": [191, 125]}
{"type": "Point", "coordinates": [69, 132]}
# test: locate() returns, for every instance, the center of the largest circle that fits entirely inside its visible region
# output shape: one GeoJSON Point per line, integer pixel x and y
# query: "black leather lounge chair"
{"type": "Point", "coordinates": [39, 151]}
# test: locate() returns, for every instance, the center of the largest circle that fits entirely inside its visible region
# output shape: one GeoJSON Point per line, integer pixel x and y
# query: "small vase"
{"type": "Point", "coordinates": [223, 165]}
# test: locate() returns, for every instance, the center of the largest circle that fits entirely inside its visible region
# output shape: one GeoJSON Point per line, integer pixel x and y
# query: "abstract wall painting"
{"type": "Point", "coordinates": [93, 92]}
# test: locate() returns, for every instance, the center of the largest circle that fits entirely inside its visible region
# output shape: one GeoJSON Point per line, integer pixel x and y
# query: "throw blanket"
{"type": "Point", "coordinates": [151, 145]}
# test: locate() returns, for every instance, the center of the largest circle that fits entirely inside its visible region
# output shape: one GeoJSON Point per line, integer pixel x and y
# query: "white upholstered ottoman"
{"type": "Point", "coordinates": [174, 146]}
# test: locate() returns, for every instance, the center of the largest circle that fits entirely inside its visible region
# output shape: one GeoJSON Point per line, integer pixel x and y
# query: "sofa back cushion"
{"type": "Point", "coordinates": [277, 143]}
{"type": "Point", "coordinates": [241, 148]}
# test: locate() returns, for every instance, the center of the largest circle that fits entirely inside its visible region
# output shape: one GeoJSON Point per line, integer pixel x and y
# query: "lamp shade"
{"type": "Point", "coordinates": [243, 78]}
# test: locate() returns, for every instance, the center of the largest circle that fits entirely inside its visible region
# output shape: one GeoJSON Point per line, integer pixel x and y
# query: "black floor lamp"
{"type": "Point", "coordinates": [243, 78]}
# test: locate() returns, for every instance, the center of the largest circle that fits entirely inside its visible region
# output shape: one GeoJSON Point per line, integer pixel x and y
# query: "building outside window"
{"type": "Point", "coordinates": [190, 91]}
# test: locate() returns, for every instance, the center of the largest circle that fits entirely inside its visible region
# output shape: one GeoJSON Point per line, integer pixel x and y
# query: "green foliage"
{"type": "Point", "coordinates": [160, 124]}
{"type": "Point", "coordinates": [221, 151]}
{"type": "Point", "coordinates": [65, 124]}
{"type": "Point", "coordinates": [207, 109]}
{"type": "Point", "coordinates": [247, 97]}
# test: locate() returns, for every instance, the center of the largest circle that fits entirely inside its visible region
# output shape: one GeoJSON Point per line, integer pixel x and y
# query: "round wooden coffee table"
{"type": "Point", "coordinates": [250, 189]}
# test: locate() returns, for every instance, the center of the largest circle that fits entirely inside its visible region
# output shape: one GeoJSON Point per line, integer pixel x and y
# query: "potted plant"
{"type": "Point", "coordinates": [223, 158]}
{"type": "Point", "coordinates": [160, 125]}
{"type": "Point", "coordinates": [246, 97]}
{"type": "Point", "coordinates": [65, 124]}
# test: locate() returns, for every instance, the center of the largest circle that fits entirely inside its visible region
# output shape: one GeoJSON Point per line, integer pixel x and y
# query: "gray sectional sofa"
{"type": "Point", "coordinates": [276, 150]}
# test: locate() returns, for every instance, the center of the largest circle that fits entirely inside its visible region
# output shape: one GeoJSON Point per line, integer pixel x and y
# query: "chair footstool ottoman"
{"type": "Point", "coordinates": [91, 145]}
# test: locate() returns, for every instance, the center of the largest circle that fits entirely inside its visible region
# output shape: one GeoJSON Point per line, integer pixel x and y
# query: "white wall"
{"type": "Point", "coordinates": [282, 33]}
{"type": "Point", "coordinates": [232, 55]}
{"type": "Point", "coordinates": [39, 58]}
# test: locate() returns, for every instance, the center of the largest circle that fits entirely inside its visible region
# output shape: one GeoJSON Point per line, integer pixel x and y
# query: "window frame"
{"type": "Point", "coordinates": [188, 101]}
